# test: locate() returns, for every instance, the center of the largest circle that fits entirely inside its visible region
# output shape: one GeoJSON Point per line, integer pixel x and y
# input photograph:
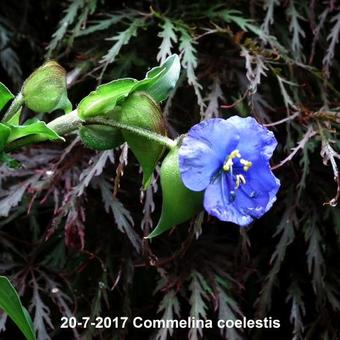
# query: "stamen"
{"type": "Point", "coordinates": [246, 164]}
{"type": "Point", "coordinates": [235, 154]}
{"type": "Point", "coordinates": [240, 180]}
{"type": "Point", "coordinates": [227, 166]}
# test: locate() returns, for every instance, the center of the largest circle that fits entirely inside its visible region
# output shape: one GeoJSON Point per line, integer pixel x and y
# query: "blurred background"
{"type": "Point", "coordinates": [73, 220]}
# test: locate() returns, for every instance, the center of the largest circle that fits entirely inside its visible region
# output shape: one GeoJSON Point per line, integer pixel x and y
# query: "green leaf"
{"type": "Point", "coordinates": [190, 61]}
{"type": "Point", "coordinates": [5, 95]}
{"type": "Point", "coordinates": [140, 110]}
{"type": "Point", "coordinates": [68, 19]}
{"type": "Point", "coordinates": [11, 304]}
{"type": "Point", "coordinates": [121, 39]}
{"type": "Point", "coordinates": [158, 83]}
{"type": "Point", "coordinates": [4, 158]}
{"type": "Point", "coordinates": [32, 127]}
{"type": "Point", "coordinates": [15, 119]}
{"type": "Point", "coordinates": [100, 137]}
{"type": "Point", "coordinates": [179, 203]}
{"type": "Point", "coordinates": [4, 134]}
{"type": "Point", "coordinates": [160, 80]}
{"type": "Point", "coordinates": [9, 161]}
{"type": "Point", "coordinates": [105, 98]}
{"type": "Point", "coordinates": [168, 35]}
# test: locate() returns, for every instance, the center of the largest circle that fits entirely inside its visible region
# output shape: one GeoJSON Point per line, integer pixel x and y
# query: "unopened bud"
{"type": "Point", "coordinates": [45, 89]}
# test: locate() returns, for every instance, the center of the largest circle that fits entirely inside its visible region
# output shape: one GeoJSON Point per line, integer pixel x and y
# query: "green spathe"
{"type": "Point", "coordinates": [179, 203]}
{"type": "Point", "coordinates": [105, 98]}
{"type": "Point", "coordinates": [140, 110]}
{"type": "Point", "coordinates": [45, 89]}
{"type": "Point", "coordinates": [100, 137]}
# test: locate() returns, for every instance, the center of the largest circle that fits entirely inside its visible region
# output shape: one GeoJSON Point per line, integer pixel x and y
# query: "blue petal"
{"type": "Point", "coordinates": [255, 139]}
{"type": "Point", "coordinates": [248, 203]}
{"type": "Point", "coordinates": [218, 204]}
{"type": "Point", "coordinates": [252, 199]}
{"type": "Point", "coordinates": [261, 180]}
{"type": "Point", "coordinates": [204, 150]}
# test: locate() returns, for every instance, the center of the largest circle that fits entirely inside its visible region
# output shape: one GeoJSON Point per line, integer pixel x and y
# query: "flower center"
{"type": "Point", "coordinates": [228, 164]}
{"type": "Point", "coordinates": [232, 165]}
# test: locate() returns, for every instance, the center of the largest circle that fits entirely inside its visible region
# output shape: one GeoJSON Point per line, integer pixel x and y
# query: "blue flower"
{"type": "Point", "coordinates": [229, 159]}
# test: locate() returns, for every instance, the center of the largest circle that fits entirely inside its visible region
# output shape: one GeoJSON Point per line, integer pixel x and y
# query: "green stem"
{"type": "Point", "coordinates": [17, 102]}
{"type": "Point", "coordinates": [71, 121]}
{"type": "Point", "coordinates": [169, 143]}
{"type": "Point", "coordinates": [66, 123]}
{"type": "Point", "coordinates": [61, 125]}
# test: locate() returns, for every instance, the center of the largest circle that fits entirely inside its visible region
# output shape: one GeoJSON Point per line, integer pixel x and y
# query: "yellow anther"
{"type": "Point", "coordinates": [246, 164]}
{"type": "Point", "coordinates": [240, 180]}
{"type": "Point", "coordinates": [235, 154]}
{"type": "Point", "coordinates": [228, 164]}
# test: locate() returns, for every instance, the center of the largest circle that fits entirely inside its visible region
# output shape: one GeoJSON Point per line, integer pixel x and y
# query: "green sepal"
{"type": "Point", "coordinates": [140, 110]}
{"type": "Point", "coordinates": [105, 98]}
{"type": "Point", "coordinates": [100, 137]}
{"type": "Point", "coordinates": [5, 95]}
{"type": "Point", "coordinates": [45, 89]}
{"type": "Point", "coordinates": [32, 127]}
{"type": "Point", "coordinates": [158, 83]}
{"type": "Point", "coordinates": [10, 303]}
{"type": "Point", "coordinates": [179, 203]}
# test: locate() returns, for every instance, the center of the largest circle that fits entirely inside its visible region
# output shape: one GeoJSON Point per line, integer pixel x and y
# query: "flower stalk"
{"type": "Point", "coordinates": [155, 137]}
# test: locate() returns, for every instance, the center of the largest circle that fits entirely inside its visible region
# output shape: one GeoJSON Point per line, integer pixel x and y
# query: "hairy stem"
{"type": "Point", "coordinates": [66, 123]}
{"type": "Point", "coordinates": [169, 143]}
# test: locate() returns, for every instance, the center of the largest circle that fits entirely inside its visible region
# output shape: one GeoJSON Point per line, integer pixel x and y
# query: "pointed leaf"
{"type": "Point", "coordinates": [4, 158]}
{"type": "Point", "coordinates": [140, 110]}
{"type": "Point", "coordinates": [104, 99]}
{"type": "Point", "coordinates": [158, 83]}
{"type": "Point", "coordinates": [15, 119]}
{"type": "Point", "coordinates": [32, 127]}
{"type": "Point", "coordinates": [179, 203]}
{"type": "Point", "coordinates": [100, 137]}
{"type": "Point", "coordinates": [11, 304]}
{"type": "Point", "coordinates": [5, 95]}
{"type": "Point", "coordinates": [4, 134]}
{"type": "Point", "coordinates": [160, 80]}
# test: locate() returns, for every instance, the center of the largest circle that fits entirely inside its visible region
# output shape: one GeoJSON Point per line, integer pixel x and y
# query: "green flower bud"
{"type": "Point", "coordinates": [45, 89]}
